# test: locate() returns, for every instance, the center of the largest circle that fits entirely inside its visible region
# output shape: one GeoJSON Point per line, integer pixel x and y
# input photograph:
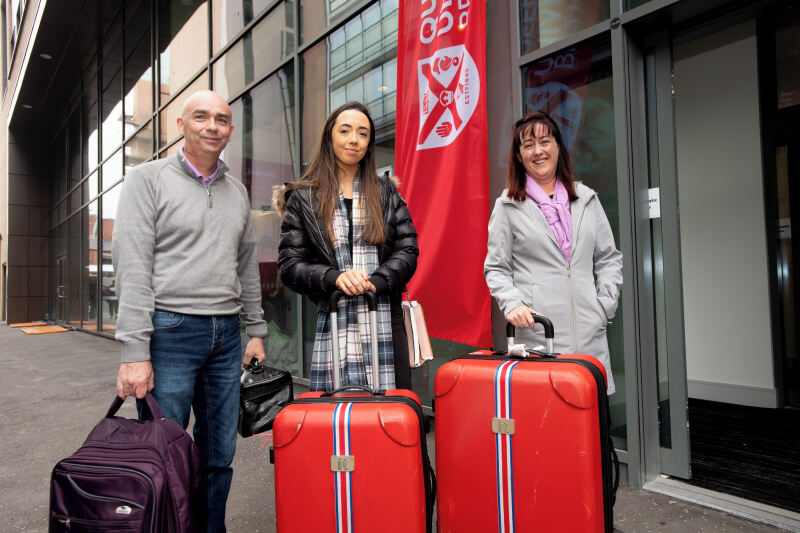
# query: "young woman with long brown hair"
{"type": "Point", "coordinates": [345, 227]}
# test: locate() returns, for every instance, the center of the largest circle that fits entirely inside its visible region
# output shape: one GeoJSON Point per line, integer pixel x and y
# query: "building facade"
{"type": "Point", "coordinates": [665, 104]}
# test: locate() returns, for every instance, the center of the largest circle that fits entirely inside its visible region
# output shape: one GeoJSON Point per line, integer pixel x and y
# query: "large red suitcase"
{"type": "Point", "coordinates": [352, 460]}
{"type": "Point", "coordinates": [522, 443]}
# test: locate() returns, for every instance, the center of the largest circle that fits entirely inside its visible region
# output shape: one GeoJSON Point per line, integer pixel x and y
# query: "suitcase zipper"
{"type": "Point", "coordinates": [147, 478]}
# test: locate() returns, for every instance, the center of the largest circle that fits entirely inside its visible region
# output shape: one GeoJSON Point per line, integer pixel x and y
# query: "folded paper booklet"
{"type": "Point", "coordinates": [419, 344]}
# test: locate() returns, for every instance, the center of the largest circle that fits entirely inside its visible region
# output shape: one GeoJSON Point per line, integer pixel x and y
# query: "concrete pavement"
{"type": "Point", "coordinates": [56, 387]}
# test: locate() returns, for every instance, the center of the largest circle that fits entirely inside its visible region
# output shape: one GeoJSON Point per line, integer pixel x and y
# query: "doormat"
{"type": "Point", "coordinates": [27, 324]}
{"type": "Point", "coordinates": [38, 330]}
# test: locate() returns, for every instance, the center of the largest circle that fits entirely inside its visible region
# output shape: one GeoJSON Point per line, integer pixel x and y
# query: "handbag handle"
{"type": "Point", "coordinates": [152, 405]}
{"type": "Point", "coordinates": [360, 388]}
{"type": "Point", "coordinates": [549, 331]}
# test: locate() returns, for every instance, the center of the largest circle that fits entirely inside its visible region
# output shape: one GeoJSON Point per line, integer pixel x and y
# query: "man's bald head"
{"type": "Point", "coordinates": [205, 124]}
{"type": "Point", "coordinates": [203, 97]}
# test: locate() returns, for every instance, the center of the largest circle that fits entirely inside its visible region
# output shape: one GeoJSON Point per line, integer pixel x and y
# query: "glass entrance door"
{"type": "Point", "coordinates": [61, 289]}
{"type": "Point", "coordinates": [664, 386]}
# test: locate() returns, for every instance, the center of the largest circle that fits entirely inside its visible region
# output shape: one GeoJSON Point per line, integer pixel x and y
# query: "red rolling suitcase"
{"type": "Point", "coordinates": [352, 460]}
{"type": "Point", "coordinates": [522, 443]}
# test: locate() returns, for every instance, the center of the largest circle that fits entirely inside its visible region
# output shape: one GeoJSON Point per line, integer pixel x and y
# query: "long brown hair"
{"type": "Point", "coordinates": [515, 181]}
{"type": "Point", "coordinates": [321, 176]}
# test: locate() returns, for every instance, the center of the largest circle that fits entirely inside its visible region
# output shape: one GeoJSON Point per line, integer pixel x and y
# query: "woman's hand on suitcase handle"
{"type": "Point", "coordinates": [354, 282]}
{"type": "Point", "coordinates": [521, 316]}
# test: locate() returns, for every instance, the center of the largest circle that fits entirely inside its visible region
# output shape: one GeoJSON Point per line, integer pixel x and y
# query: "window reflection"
{"type": "Point", "coordinates": [107, 279]}
{"type": "Point", "coordinates": [89, 134]}
{"type": "Point", "coordinates": [543, 22]}
{"type": "Point", "coordinates": [575, 87]}
{"type": "Point", "coordinates": [112, 170]}
{"type": "Point", "coordinates": [169, 115]}
{"type": "Point", "coordinates": [261, 50]}
{"type": "Point", "coordinates": [261, 154]}
{"type": "Point", "coordinates": [358, 61]}
{"type": "Point", "coordinates": [316, 15]}
{"type": "Point", "coordinates": [140, 148]}
{"type": "Point", "coordinates": [182, 43]}
{"type": "Point", "coordinates": [111, 87]}
{"type": "Point", "coordinates": [229, 17]}
{"type": "Point", "coordinates": [74, 255]}
{"type": "Point", "coordinates": [90, 270]}
{"type": "Point", "coordinates": [138, 85]}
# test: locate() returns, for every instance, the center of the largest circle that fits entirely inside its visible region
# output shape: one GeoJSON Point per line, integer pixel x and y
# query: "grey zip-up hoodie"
{"type": "Point", "coordinates": [525, 265]}
{"type": "Point", "coordinates": [182, 246]}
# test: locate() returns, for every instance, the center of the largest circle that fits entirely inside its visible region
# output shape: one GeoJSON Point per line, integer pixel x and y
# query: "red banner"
{"type": "Point", "coordinates": [441, 157]}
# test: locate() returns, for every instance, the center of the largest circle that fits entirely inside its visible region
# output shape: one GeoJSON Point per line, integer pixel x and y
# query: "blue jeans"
{"type": "Point", "coordinates": [197, 364]}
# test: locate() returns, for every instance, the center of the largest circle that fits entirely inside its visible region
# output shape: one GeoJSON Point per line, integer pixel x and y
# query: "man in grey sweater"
{"type": "Point", "coordinates": [184, 253]}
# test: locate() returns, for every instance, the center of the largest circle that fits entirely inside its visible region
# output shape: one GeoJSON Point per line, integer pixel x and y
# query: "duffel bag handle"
{"type": "Point", "coordinates": [152, 405]}
{"type": "Point", "coordinates": [549, 331]}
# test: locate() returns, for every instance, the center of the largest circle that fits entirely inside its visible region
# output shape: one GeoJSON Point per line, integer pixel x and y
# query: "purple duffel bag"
{"type": "Point", "coordinates": [128, 476]}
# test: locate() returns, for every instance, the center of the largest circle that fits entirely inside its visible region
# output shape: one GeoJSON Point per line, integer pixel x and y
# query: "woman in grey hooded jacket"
{"type": "Point", "coordinates": [551, 250]}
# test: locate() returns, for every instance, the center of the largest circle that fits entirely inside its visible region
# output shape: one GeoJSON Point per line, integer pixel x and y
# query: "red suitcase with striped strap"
{"type": "Point", "coordinates": [352, 460]}
{"type": "Point", "coordinates": [522, 443]}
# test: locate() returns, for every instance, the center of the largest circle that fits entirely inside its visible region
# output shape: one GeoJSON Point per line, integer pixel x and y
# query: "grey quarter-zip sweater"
{"type": "Point", "coordinates": [183, 246]}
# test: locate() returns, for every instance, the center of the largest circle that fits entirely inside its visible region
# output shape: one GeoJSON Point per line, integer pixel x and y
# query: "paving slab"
{"type": "Point", "coordinates": [56, 387]}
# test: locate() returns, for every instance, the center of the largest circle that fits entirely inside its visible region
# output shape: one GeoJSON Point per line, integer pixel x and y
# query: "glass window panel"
{"type": "Point", "coordinates": [90, 271]}
{"type": "Point", "coordinates": [62, 164]}
{"type": "Point", "coordinates": [89, 188]}
{"type": "Point", "coordinates": [182, 43]}
{"type": "Point", "coordinates": [140, 148]}
{"type": "Point", "coordinates": [112, 170]}
{"type": "Point", "coordinates": [168, 117]}
{"type": "Point", "coordinates": [112, 113]}
{"type": "Point", "coordinates": [107, 279]}
{"type": "Point", "coordinates": [74, 273]}
{"type": "Point", "coordinates": [75, 200]}
{"type": "Point", "coordinates": [261, 153]}
{"type": "Point", "coordinates": [630, 4]}
{"type": "Point", "coordinates": [355, 90]}
{"type": "Point", "coordinates": [111, 90]}
{"type": "Point", "coordinates": [316, 15]}
{"type": "Point", "coordinates": [229, 17]}
{"type": "Point", "coordinates": [371, 15]}
{"type": "Point", "coordinates": [787, 63]}
{"type": "Point", "coordinates": [314, 95]}
{"type": "Point", "coordinates": [89, 134]}
{"type": "Point", "coordinates": [373, 82]}
{"type": "Point", "coordinates": [575, 87]}
{"type": "Point", "coordinates": [256, 54]}
{"type": "Point", "coordinates": [543, 22]}
{"type": "Point", "coordinates": [353, 75]}
{"type": "Point", "coordinates": [338, 97]}
{"type": "Point", "coordinates": [138, 84]}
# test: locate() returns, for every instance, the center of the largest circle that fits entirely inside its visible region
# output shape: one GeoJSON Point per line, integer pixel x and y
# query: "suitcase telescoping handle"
{"type": "Point", "coordinates": [372, 305]}
{"type": "Point", "coordinates": [549, 331]}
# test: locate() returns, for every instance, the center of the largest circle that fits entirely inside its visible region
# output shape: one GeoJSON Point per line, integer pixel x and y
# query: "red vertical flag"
{"type": "Point", "coordinates": [441, 157]}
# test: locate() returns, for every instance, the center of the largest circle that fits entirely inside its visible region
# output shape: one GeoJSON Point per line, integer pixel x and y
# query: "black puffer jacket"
{"type": "Point", "coordinates": [306, 257]}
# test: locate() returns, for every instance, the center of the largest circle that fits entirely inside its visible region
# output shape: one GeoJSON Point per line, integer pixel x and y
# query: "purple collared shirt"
{"type": "Point", "coordinates": [197, 172]}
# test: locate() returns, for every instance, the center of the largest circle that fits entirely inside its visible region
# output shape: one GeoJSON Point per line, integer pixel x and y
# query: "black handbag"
{"type": "Point", "coordinates": [264, 391]}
